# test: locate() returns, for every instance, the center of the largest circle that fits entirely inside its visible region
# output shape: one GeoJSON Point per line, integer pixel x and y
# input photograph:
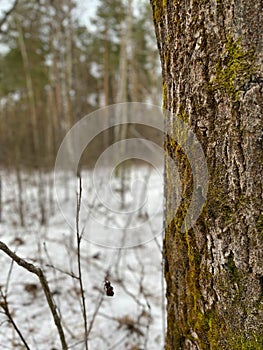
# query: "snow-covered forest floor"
{"type": "Point", "coordinates": [134, 317]}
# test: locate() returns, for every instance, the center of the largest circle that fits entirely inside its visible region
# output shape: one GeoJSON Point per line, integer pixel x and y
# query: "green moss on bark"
{"type": "Point", "coordinates": [159, 8]}
{"type": "Point", "coordinates": [252, 342]}
{"type": "Point", "coordinates": [234, 68]}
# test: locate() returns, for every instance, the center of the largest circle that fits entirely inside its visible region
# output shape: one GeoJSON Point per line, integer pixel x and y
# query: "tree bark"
{"type": "Point", "coordinates": [211, 55]}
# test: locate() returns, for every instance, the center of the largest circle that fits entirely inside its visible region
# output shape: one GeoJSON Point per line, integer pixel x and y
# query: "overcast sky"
{"type": "Point", "coordinates": [85, 9]}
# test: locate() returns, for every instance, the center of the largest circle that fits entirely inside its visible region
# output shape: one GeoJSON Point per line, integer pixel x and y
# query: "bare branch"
{"type": "Point", "coordinates": [4, 305]}
{"type": "Point", "coordinates": [95, 314]}
{"type": "Point", "coordinates": [9, 276]}
{"type": "Point", "coordinates": [70, 274]}
{"type": "Point", "coordinates": [79, 237]}
{"type": "Point", "coordinates": [39, 273]}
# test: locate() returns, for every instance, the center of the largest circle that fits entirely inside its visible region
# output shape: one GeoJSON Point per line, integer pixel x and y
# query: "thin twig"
{"type": "Point", "coordinates": [52, 266]}
{"type": "Point", "coordinates": [79, 237]}
{"type": "Point", "coordinates": [95, 314]}
{"type": "Point", "coordinates": [42, 279]}
{"type": "Point", "coordinates": [122, 246]}
{"type": "Point", "coordinates": [162, 280]}
{"type": "Point", "coordinates": [70, 274]}
{"type": "Point", "coordinates": [117, 344]}
{"type": "Point", "coordinates": [55, 274]}
{"type": "Point", "coordinates": [9, 277]}
{"type": "Point", "coordinates": [155, 236]}
{"type": "Point", "coordinates": [126, 290]}
{"type": "Point", "coordinates": [142, 291]}
{"type": "Point", "coordinates": [5, 307]}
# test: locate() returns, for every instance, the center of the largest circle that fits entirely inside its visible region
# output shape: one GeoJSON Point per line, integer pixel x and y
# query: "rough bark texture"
{"type": "Point", "coordinates": [211, 55]}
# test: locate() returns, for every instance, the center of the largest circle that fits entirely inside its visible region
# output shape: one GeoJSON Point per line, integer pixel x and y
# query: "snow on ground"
{"type": "Point", "coordinates": [134, 317]}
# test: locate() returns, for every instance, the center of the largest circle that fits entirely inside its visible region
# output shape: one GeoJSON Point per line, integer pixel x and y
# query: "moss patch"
{"type": "Point", "coordinates": [240, 342]}
{"type": "Point", "coordinates": [215, 335]}
{"type": "Point", "coordinates": [234, 68]}
{"type": "Point", "coordinates": [159, 8]}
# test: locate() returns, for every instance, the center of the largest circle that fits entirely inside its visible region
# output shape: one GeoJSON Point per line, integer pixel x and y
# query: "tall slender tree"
{"type": "Point", "coordinates": [56, 70]}
{"type": "Point", "coordinates": [211, 55]}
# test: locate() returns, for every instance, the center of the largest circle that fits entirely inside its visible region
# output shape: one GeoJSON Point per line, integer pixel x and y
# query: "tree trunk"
{"type": "Point", "coordinates": [211, 52]}
{"type": "Point", "coordinates": [1, 199]}
{"type": "Point", "coordinates": [20, 195]}
{"type": "Point", "coordinates": [30, 89]}
{"type": "Point", "coordinates": [122, 115]}
{"type": "Point", "coordinates": [69, 66]}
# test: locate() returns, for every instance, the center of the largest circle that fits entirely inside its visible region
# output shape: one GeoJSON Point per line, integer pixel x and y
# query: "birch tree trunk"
{"type": "Point", "coordinates": [211, 55]}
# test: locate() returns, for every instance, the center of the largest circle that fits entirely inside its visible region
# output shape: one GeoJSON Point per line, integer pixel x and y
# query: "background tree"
{"type": "Point", "coordinates": [211, 55]}
{"type": "Point", "coordinates": [55, 70]}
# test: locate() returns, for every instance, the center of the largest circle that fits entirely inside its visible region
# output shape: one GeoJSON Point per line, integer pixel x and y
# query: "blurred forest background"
{"type": "Point", "coordinates": [57, 65]}
{"type": "Point", "coordinates": [54, 70]}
